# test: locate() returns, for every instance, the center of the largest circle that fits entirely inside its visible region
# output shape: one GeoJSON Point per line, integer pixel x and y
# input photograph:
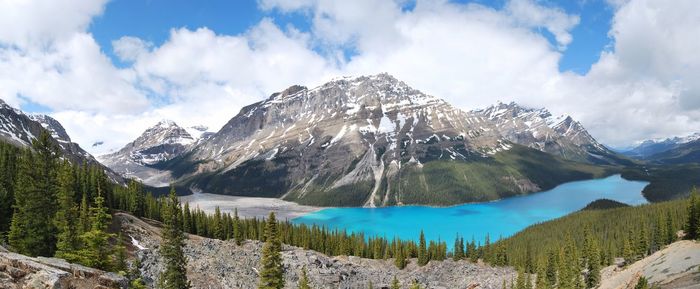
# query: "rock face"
{"type": "Point", "coordinates": [21, 129]}
{"type": "Point", "coordinates": [22, 272]}
{"type": "Point", "coordinates": [538, 129]}
{"type": "Point", "coordinates": [676, 266]}
{"type": "Point", "coordinates": [222, 264]}
{"type": "Point", "coordinates": [375, 141]}
{"type": "Point", "coordinates": [159, 143]}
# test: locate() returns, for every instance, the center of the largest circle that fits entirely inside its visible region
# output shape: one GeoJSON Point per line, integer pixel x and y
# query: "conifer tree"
{"type": "Point", "coordinates": [551, 270]}
{"type": "Point", "coordinates": [218, 225]}
{"type": "Point", "coordinates": [66, 215]}
{"type": "Point", "coordinates": [693, 218]}
{"type": "Point", "coordinates": [370, 285]}
{"type": "Point", "coordinates": [271, 273]}
{"type": "Point", "coordinates": [32, 231]}
{"type": "Point", "coordinates": [521, 282]}
{"type": "Point", "coordinates": [120, 256]}
{"type": "Point", "coordinates": [96, 251]}
{"type": "Point", "coordinates": [186, 219]}
{"type": "Point", "coordinates": [84, 217]}
{"type": "Point", "coordinates": [399, 257]}
{"type": "Point", "coordinates": [422, 251]}
{"type": "Point", "coordinates": [395, 283]}
{"type": "Point", "coordinates": [593, 277]}
{"type": "Point", "coordinates": [237, 228]}
{"type": "Point", "coordinates": [670, 229]}
{"type": "Point", "coordinates": [304, 280]}
{"type": "Point", "coordinates": [175, 274]}
{"type": "Point", "coordinates": [459, 249]}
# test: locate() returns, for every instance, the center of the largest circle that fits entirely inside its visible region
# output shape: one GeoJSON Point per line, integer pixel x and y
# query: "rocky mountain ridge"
{"type": "Point", "coordinates": [158, 143]}
{"type": "Point", "coordinates": [375, 141]}
{"type": "Point", "coordinates": [648, 148]}
{"type": "Point", "coordinates": [21, 129]}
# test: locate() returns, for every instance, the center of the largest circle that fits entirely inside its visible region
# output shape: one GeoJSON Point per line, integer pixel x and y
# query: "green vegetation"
{"type": "Point", "coordinates": [174, 276]}
{"type": "Point", "coordinates": [56, 208]}
{"type": "Point", "coordinates": [304, 280]}
{"type": "Point", "coordinates": [604, 204]}
{"type": "Point", "coordinates": [666, 182]}
{"type": "Point", "coordinates": [514, 172]}
{"type": "Point", "coordinates": [271, 272]}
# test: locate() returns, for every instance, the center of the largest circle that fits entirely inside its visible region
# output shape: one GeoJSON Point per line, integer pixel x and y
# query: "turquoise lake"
{"type": "Point", "coordinates": [498, 218]}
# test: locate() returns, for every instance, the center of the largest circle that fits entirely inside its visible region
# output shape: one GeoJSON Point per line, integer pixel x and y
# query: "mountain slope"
{"type": "Point", "coordinates": [20, 129]}
{"type": "Point", "coordinates": [649, 148]}
{"type": "Point", "coordinates": [688, 152]}
{"type": "Point", "coordinates": [159, 143]}
{"type": "Point", "coordinates": [372, 141]}
{"type": "Point", "coordinates": [538, 129]}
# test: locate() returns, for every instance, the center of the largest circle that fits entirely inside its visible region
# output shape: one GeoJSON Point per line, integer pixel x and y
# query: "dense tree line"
{"type": "Point", "coordinates": [570, 251]}
{"type": "Point", "coordinates": [51, 207]}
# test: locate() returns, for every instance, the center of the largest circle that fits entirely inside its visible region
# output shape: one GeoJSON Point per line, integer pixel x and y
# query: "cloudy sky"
{"type": "Point", "coordinates": [628, 70]}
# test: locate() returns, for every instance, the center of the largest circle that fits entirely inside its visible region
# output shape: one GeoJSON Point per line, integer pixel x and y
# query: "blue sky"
{"type": "Point", "coordinates": [628, 70]}
{"type": "Point", "coordinates": [152, 20]}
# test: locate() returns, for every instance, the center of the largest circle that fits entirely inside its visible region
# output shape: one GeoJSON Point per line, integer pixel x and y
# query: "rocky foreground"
{"type": "Point", "coordinates": [223, 264]}
{"type": "Point", "coordinates": [20, 272]}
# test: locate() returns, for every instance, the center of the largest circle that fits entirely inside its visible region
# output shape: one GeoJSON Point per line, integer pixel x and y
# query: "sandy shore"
{"type": "Point", "coordinates": [248, 207]}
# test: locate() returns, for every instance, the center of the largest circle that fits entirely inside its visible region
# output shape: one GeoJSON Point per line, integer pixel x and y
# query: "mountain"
{"type": "Point", "coordinates": [375, 141]}
{"type": "Point", "coordinates": [538, 129]}
{"type": "Point", "coordinates": [159, 143]}
{"type": "Point", "coordinates": [21, 129]}
{"type": "Point", "coordinates": [648, 148]}
{"type": "Point", "coordinates": [681, 153]}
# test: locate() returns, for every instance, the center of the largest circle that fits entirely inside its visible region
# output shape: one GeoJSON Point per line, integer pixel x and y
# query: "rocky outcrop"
{"type": "Point", "coordinates": [23, 272]}
{"type": "Point", "coordinates": [676, 266]}
{"type": "Point", "coordinates": [223, 264]}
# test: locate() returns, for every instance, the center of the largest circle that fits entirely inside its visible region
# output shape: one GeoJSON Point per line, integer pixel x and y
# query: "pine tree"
{"type": "Point", "coordinates": [84, 217]}
{"type": "Point", "coordinates": [186, 219]}
{"type": "Point", "coordinates": [32, 231]}
{"type": "Point", "coordinates": [395, 284]}
{"type": "Point", "coordinates": [521, 282]}
{"type": "Point", "coordinates": [422, 251]}
{"type": "Point", "coordinates": [97, 251]}
{"type": "Point", "coordinates": [66, 215]}
{"type": "Point", "coordinates": [120, 256]}
{"type": "Point", "coordinates": [670, 229]}
{"type": "Point", "coordinates": [218, 225]}
{"type": "Point", "coordinates": [175, 274]}
{"type": "Point", "coordinates": [551, 270]}
{"type": "Point", "coordinates": [304, 280]}
{"type": "Point", "coordinates": [691, 224]}
{"type": "Point", "coordinates": [415, 285]}
{"type": "Point", "coordinates": [370, 285]}
{"type": "Point", "coordinates": [399, 257]}
{"type": "Point", "coordinates": [271, 273]}
{"type": "Point", "coordinates": [237, 228]}
{"type": "Point", "coordinates": [593, 277]}
{"type": "Point", "coordinates": [459, 249]}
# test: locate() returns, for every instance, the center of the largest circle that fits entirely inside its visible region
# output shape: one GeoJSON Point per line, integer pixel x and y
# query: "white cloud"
{"type": "Point", "coordinates": [646, 86]}
{"type": "Point", "coordinates": [553, 19]}
{"type": "Point", "coordinates": [40, 22]}
{"type": "Point", "coordinates": [129, 48]}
